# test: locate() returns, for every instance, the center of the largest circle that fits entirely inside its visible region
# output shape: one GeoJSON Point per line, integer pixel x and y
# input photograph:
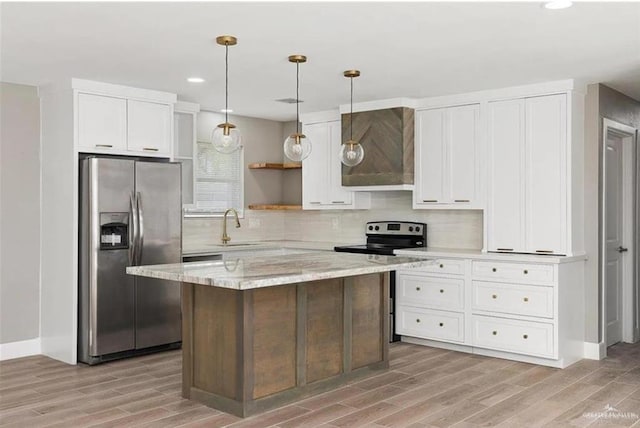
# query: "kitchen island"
{"type": "Point", "coordinates": [260, 332]}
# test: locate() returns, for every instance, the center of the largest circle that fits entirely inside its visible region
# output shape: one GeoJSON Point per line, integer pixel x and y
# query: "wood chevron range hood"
{"type": "Point", "coordinates": [387, 136]}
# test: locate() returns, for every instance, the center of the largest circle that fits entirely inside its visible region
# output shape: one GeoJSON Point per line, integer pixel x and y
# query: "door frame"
{"type": "Point", "coordinates": [631, 216]}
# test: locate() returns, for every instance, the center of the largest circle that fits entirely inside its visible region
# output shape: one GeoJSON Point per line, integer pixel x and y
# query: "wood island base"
{"type": "Point", "coordinates": [248, 351]}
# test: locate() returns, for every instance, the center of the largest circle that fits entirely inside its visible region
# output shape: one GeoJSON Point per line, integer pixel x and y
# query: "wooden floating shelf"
{"type": "Point", "coordinates": [271, 165]}
{"type": "Point", "coordinates": [275, 207]}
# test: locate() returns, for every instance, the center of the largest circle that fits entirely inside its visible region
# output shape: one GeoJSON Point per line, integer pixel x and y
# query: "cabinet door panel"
{"type": "Point", "coordinates": [462, 141]}
{"type": "Point", "coordinates": [546, 174]}
{"type": "Point", "coordinates": [336, 194]}
{"type": "Point", "coordinates": [315, 177]}
{"type": "Point", "coordinates": [431, 156]}
{"type": "Point", "coordinates": [102, 122]}
{"type": "Point", "coordinates": [506, 142]}
{"type": "Point", "coordinates": [149, 127]}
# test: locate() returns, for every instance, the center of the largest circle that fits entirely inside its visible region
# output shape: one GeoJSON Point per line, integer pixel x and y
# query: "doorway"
{"type": "Point", "coordinates": [620, 296]}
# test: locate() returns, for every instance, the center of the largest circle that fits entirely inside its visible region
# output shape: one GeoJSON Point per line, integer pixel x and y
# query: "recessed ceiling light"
{"type": "Point", "coordinates": [195, 80]}
{"type": "Point", "coordinates": [226, 110]}
{"type": "Point", "coordinates": [558, 4]}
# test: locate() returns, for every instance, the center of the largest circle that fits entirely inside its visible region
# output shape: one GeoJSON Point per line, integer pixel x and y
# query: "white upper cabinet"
{"type": "Point", "coordinates": [322, 171]}
{"type": "Point", "coordinates": [505, 166]}
{"type": "Point", "coordinates": [447, 158]}
{"type": "Point", "coordinates": [149, 127]}
{"type": "Point", "coordinates": [102, 122]}
{"type": "Point", "coordinates": [528, 175]}
{"type": "Point", "coordinates": [121, 120]}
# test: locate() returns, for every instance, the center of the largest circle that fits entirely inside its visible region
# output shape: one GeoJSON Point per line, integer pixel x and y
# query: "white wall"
{"type": "Point", "coordinates": [19, 213]}
{"type": "Point", "coordinates": [601, 102]}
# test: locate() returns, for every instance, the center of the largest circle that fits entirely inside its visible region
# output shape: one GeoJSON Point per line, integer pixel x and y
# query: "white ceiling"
{"type": "Point", "coordinates": [402, 49]}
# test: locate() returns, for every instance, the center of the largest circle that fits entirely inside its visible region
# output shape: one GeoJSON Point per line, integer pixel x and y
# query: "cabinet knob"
{"type": "Point", "coordinates": [526, 271]}
{"type": "Point", "coordinates": [495, 333]}
{"type": "Point", "coordinates": [441, 290]}
{"type": "Point", "coordinates": [441, 324]}
{"type": "Point", "coordinates": [417, 288]}
{"type": "Point", "coordinates": [525, 336]}
{"type": "Point", "coordinates": [418, 320]}
{"type": "Point", "coordinates": [526, 299]}
{"type": "Point", "coordinates": [494, 296]}
{"type": "Point", "coordinates": [441, 266]}
{"type": "Point", "coordinates": [494, 270]}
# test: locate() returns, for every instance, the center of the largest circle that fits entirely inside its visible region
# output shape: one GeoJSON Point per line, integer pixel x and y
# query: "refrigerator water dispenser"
{"type": "Point", "coordinates": [114, 231]}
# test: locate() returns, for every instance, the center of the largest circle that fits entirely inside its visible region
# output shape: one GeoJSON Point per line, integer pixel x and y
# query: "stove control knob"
{"type": "Point", "coordinates": [417, 229]}
{"type": "Point", "coordinates": [411, 229]}
{"type": "Point", "coordinates": [377, 227]}
{"type": "Point", "coordinates": [370, 227]}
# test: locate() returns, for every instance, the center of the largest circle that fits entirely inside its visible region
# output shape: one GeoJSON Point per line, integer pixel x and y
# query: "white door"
{"type": "Point", "coordinates": [102, 122]}
{"type": "Point", "coordinates": [430, 157]}
{"type": "Point", "coordinates": [462, 130]}
{"type": "Point", "coordinates": [149, 127]}
{"type": "Point", "coordinates": [315, 177]}
{"type": "Point", "coordinates": [545, 174]}
{"type": "Point", "coordinates": [337, 195]}
{"type": "Point", "coordinates": [613, 238]}
{"type": "Point", "coordinates": [506, 188]}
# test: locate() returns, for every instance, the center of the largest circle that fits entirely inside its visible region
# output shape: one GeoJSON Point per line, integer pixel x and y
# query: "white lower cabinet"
{"type": "Point", "coordinates": [525, 311]}
{"type": "Point", "coordinates": [504, 334]}
{"type": "Point", "coordinates": [430, 324]}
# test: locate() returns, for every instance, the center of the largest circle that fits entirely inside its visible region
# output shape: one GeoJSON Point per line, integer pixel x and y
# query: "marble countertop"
{"type": "Point", "coordinates": [205, 250]}
{"type": "Point", "coordinates": [245, 273]}
{"type": "Point", "coordinates": [429, 252]}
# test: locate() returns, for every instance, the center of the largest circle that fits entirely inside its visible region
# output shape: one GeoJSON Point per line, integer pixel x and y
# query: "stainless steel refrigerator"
{"type": "Point", "coordinates": [130, 214]}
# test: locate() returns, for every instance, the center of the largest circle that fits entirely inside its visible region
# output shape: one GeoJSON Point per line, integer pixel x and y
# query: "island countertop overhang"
{"type": "Point", "coordinates": [246, 273]}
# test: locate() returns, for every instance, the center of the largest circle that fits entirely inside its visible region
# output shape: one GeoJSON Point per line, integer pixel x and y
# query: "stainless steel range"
{"type": "Point", "coordinates": [383, 237]}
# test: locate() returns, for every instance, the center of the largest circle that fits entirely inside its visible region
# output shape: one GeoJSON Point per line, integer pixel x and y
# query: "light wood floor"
{"type": "Point", "coordinates": [425, 387]}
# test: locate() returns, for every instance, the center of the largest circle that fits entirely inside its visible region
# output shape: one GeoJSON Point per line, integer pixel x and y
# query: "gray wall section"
{"type": "Point", "coordinates": [601, 102]}
{"type": "Point", "coordinates": [19, 213]}
{"type": "Point", "coordinates": [292, 179]}
{"type": "Point", "coordinates": [261, 141]}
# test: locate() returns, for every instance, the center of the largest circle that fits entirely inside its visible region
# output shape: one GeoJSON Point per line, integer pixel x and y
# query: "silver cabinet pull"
{"type": "Point", "coordinates": [461, 200]}
{"type": "Point", "coordinates": [315, 203]}
{"type": "Point", "coordinates": [150, 149]}
{"type": "Point", "coordinates": [429, 200]}
{"type": "Point", "coordinates": [504, 249]}
{"type": "Point", "coordinates": [108, 146]}
{"type": "Point", "coordinates": [337, 202]}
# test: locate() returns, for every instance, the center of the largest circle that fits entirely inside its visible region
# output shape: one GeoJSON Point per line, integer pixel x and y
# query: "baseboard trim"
{"type": "Point", "coordinates": [594, 351]}
{"type": "Point", "coordinates": [24, 348]}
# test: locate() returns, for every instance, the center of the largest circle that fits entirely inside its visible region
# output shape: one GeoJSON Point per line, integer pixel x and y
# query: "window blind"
{"type": "Point", "coordinates": [218, 180]}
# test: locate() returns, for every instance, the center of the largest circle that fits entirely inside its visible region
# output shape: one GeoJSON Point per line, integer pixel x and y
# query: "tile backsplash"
{"type": "Point", "coordinates": [445, 228]}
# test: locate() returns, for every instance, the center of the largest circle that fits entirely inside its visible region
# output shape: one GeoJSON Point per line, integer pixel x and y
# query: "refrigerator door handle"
{"type": "Point", "coordinates": [133, 229]}
{"type": "Point", "coordinates": [140, 227]}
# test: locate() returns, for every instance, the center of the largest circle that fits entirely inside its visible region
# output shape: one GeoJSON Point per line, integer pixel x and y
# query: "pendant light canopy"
{"type": "Point", "coordinates": [297, 146]}
{"type": "Point", "coordinates": [226, 137]}
{"type": "Point", "coordinates": [351, 152]}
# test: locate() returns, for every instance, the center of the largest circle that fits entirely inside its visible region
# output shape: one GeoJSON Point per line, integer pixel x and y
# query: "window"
{"type": "Point", "coordinates": [218, 181]}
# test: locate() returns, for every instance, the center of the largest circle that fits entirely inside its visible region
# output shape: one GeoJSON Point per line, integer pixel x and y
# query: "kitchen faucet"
{"type": "Point", "coordinates": [226, 238]}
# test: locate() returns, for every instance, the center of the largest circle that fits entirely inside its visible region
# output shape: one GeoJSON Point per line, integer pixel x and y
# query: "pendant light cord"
{"type": "Point", "coordinates": [351, 114]}
{"type": "Point", "coordinates": [297, 97]}
{"type": "Point", "coordinates": [226, 82]}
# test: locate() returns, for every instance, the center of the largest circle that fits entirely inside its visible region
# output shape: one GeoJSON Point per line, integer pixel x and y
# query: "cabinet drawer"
{"type": "Point", "coordinates": [519, 299]}
{"type": "Point", "coordinates": [523, 337]}
{"type": "Point", "coordinates": [520, 272]}
{"type": "Point", "coordinates": [430, 324]}
{"type": "Point", "coordinates": [449, 266]}
{"type": "Point", "coordinates": [430, 291]}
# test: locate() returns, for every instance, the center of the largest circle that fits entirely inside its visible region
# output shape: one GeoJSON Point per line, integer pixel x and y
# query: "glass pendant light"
{"type": "Point", "coordinates": [226, 137]}
{"type": "Point", "coordinates": [351, 152]}
{"type": "Point", "coordinates": [297, 146]}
